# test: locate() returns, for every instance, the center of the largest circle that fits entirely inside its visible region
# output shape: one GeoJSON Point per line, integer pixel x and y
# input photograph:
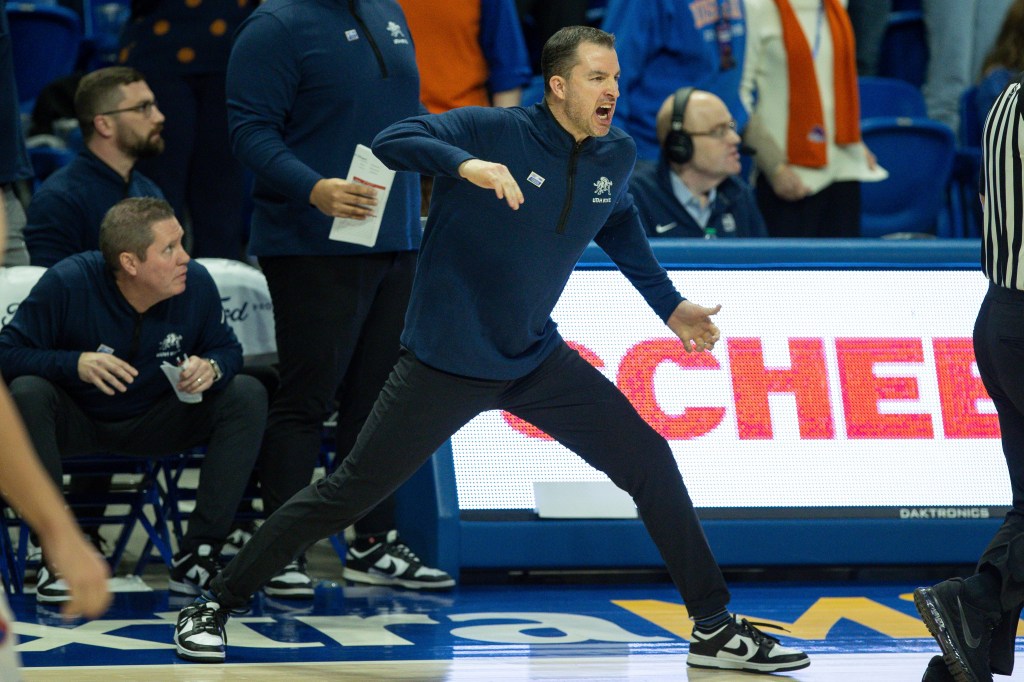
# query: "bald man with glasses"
{"type": "Point", "coordinates": [121, 123]}
{"type": "Point", "coordinates": [693, 190]}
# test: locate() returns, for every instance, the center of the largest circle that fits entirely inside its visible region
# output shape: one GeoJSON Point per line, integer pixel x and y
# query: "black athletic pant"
{"type": "Point", "coordinates": [228, 422]}
{"type": "Point", "coordinates": [421, 407]}
{"type": "Point", "coordinates": [999, 349]}
{"type": "Point", "coordinates": [338, 320]}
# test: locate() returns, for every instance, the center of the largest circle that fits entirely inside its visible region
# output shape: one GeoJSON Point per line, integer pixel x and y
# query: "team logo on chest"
{"type": "Point", "coordinates": [602, 186]}
{"type": "Point", "coordinates": [170, 346]}
{"type": "Point", "coordinates": [397, 36]}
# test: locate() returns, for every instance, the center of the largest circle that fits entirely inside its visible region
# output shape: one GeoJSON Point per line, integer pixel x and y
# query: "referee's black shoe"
{"type": "Point", "coordinates": [963, 631]}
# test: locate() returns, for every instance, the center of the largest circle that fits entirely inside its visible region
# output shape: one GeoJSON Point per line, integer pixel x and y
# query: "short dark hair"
{"type": "Point", "coordinates": [100, 91]}
{"type": "Point", "coordinates": [559, 55]}
{"type": "Point", "coordinates": [127, 227]}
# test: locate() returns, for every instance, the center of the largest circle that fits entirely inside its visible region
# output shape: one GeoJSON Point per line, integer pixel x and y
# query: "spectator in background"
{"type": "Point", "coordinates": [183, 49]}
{"type": "Point", "coordinates": [121, 123]}
{"type": "Point", "coordinates": [869, 19]}
{"type": "Point", "coordinates": [469, 52]}
{"type": "Point", "coordinates": [14, 163]}
{"type": "Point", "coordinates": [800, 84]}
{"type": "Point", "coordinates": [541, 19]}
{"type": "Point", "coordinates": [306, 83]}
{"type": "Point", "coordinates": [84, 352]}
{"type": "Point", "coordinates": [662, 43]}
{"type": "Point", "coordinates": [959, 35]}
{"type": "Point", "coordinates": [693, 190]}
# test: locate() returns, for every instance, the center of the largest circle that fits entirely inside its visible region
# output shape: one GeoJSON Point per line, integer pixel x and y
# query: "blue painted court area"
{"type": "Point", "coordinates": [479, 621]}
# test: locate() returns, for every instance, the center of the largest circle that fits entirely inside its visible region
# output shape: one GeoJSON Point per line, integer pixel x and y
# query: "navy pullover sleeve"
{"type": "Point", "coordinates": [26, 343]}
{"type": "Point", "coordinates": [420, 143]}
{"type": "Point", "coordinates": [261, 87]}
{"type": "Point", "coordinates": [624, 240]}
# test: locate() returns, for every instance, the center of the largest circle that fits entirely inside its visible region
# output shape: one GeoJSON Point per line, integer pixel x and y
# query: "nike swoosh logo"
{"type": "Point", "coordinates": [740, 650]}
{"type": "Point", "coordinates": [661, 229]}
{"type": "Point", "coordinates": [969, 637]}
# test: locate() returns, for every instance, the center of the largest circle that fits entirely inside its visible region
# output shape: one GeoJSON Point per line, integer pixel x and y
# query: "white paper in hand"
{"type": "Point", "coordinates": [173, 374]}
{"type": "Point", "coordinates": [367, 170]}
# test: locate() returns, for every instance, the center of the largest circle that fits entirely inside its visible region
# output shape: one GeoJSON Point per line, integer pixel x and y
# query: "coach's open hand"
{"type": "Point", "coordinates": [692, 324]}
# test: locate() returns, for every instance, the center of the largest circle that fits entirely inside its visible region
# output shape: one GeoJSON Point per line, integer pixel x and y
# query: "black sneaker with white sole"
{"type": "Point", "coordinates": [291, 582]}
{"type": "Point", "coordinates": [50, 587]}
{"type": "Point", "coordinates": [740, 645]}
{"type": "Point", "coordinates": [390, 562]}
{"type": "Point", "coordinates": [963, 631]}
{"type": "Point", "coordinates": [200, 634]}
{"type": "Point", "coordinates": [191, 572]}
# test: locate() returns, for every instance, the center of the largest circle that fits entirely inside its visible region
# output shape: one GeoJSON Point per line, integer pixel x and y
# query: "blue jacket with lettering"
{"type": "Point", "coordinates": [488, 277]}
{"type": "Point", "coordinates": [76, 307]}
{"type": "Point", "coordinates": [734, 212]}
{"type": "Point", "coordinates": [307, 81]}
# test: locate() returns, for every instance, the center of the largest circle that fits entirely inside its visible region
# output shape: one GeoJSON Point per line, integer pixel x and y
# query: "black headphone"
{"type": "Point", "coordinates": [678, 143]}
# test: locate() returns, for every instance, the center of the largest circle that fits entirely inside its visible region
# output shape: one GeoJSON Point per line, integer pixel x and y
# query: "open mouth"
{"type": "Point", "coordinates": [604, 113]}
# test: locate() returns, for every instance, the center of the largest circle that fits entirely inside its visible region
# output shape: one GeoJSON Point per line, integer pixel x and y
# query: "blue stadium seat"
{"type": "Point", "coordinates": [45, 40]}
{"type": "Point", "coordinates": [904, 52]}
{"type": "Point", "coordinates": [45, 160]}
{"type": "Point", "coordinates": [889, 97]}
{"type": "Point", "coordinates": [918, 153]}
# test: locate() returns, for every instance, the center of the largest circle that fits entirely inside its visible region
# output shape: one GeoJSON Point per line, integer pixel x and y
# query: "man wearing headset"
{"type": "Point", "coordinates": [693, 189]}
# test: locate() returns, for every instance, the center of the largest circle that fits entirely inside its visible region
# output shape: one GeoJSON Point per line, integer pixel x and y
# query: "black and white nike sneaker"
{"type": "Point", "coordinates": [291, 582]}
{"type": "Point", "coordinates": [51, 588]}
{"type": "Point", "coordinates": [740, 645]}
{"type": "Point", "coordinates": [200, 634]}
{"type": "Point", "coordinates": [191, 572]}
{"type": "Point", "coordinates": [388, 561]}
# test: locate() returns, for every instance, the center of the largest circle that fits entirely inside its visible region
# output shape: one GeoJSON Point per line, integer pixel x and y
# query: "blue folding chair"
{"type": "Point", "coordinates": [880, 97]}
{"type": "Point", "coordinates": [904, 52]}
{"type": "Point", "coordinates": [918, 153]}
{"type": "Point", "coordinates": [45, 160]}
{"type": "Point", "coordinates": [45, 40]}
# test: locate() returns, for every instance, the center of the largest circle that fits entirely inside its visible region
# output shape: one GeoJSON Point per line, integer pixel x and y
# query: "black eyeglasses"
{"type": "Point", "coordinates": [146, 109]}
{"type": "Point", "coordinates": [717, 132]}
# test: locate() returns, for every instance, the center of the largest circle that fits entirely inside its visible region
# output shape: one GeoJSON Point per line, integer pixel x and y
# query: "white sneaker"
{"type": "Point", "coordinates": [739, 645]}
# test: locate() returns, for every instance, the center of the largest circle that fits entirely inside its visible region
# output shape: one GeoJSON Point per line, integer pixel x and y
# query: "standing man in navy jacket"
{"type": "Point", "coordinates": [307, 81]}
{"type": "Point", "coordinates": [479, 336]}
{"type": "Point", "coordinates": [693, 190]}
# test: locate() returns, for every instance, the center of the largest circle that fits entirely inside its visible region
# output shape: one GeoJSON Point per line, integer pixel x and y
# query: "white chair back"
{"type": "Point", "coordinates": [247, 306]}
{"type": "Point", "coordinates": [15, 283]}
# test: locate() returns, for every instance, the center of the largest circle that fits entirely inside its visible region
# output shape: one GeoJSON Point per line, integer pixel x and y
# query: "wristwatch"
{"type": "Point", "coordinates": [217, 374]}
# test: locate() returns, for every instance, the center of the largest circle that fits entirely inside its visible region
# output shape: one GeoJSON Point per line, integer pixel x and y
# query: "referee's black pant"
{"type": "Point", "coordinates": [421, 407]}
{"type": "Point", "coordinates": [999, 349]}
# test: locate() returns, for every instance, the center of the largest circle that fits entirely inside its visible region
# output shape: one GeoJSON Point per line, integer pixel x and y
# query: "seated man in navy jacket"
{"type": "Point", "coordinates": [121, 123]}
{"type": "Point", "coordinates": [693, 190]}
{"type": "Point", "coordinates": [84, 357]}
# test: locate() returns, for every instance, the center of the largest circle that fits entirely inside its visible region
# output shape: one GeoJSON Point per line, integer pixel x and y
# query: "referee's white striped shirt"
{"type": "Point", "coordinates": [1002, 247]}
